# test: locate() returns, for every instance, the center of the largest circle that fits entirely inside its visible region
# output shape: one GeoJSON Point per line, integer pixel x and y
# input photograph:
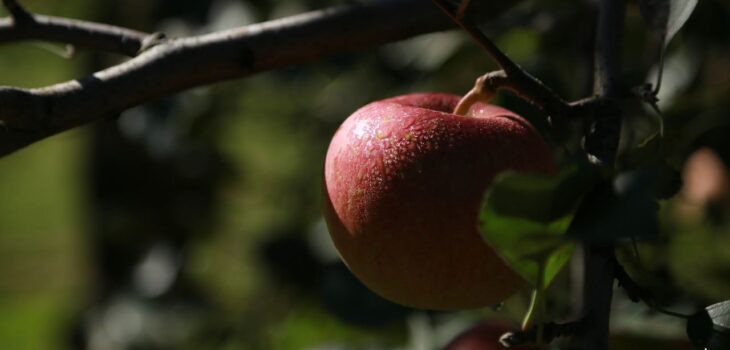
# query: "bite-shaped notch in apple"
{"type": "Point", "coordinates": [403, 184]}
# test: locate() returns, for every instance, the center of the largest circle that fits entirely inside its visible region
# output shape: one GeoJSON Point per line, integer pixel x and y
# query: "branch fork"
{"type": "Point", "coordinates": [601, 142]}
{"type": "Point", "coordinates": [514, 78]}
{"type": "Point", "coordinates": [19, 14]}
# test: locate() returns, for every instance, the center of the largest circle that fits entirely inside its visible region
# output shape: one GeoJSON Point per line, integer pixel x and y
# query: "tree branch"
{"type": "Point", "coordinates": [23, 25]}
{"type": "Point", "coordinates": [512, 77]}
{"type": "Point", "coordinates": [533, 91]}
{"type": "Point", "coordinates": [78, 33]}
{"type": "Point", "coordinates": [29, 115]}
{"type": "Point", "coordinates": [457, 14]}
{"type": "Point", "coordinates": [608, 47]}
{"type": "Point", "coordinates": [602, 144]}
{"type": "Point", "coordinates": [17, 12]}
{"type": "Point", "coordinates": [603, 138]}
{"type": "Point", "coordinates": [600, 272]}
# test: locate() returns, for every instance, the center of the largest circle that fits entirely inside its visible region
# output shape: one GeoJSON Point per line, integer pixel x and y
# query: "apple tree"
{"type": "Point", "coordinates": [620, 193]}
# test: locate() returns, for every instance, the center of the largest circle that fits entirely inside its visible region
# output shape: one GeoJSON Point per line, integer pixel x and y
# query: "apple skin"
{"type": "Point", "coordinates": [403, 184]}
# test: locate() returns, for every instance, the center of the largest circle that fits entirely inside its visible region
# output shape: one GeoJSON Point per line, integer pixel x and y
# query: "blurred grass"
{"type": "Point", "coordinates": [42, 244]}
{"type": "Point", "coordinates": [42, 248]}
{"type": "Point", "coordinates": [310, 327]}
{"type": "Point", "coordinates": [34, 322]}
{"type": "Point", "coordinates": [43, 264]}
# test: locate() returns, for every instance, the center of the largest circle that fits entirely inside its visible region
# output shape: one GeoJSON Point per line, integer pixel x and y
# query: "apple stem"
{"type": "Point", "coordinates": [482, 91]}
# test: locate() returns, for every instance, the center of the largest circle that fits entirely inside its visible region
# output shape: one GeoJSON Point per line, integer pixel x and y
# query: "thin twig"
{"type": "Point", "coordinates": [500, 57]}
{"type": "Point", "coordinates": [633, 290]}
{"type": "Point", "coordinates": [512, 77]}
{"type": "Point", "coordinates": [17, 12]}
{"type": "Point", "coordinates": [637, 293]}
{"type": "Point", "coordinates": [78, 33]}
{"type": "Point", "coordinates": [658, 84]}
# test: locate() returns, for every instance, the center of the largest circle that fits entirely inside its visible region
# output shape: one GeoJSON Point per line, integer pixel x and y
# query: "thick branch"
{"type": "Point", "coordinates": [600, 272]}
{"type": "Point", "coordinates": [608, 47]}
{"type": "Point", "coordinates": [28, 115]}
{"type": "Point", "coordinates": [603, 138]}
{"type": "Point", "coordinates": [602, 145]}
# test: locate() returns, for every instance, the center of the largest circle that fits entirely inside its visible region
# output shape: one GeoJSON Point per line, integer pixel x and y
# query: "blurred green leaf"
{"type": "Point", "coordinates": [699, 260]}
{"type": "Point", "coordinates": [650, 173]}
{"type": "Point", "coordinates": [679, 12]}
{"type": "Point", "coordinates": [666, 17]}
{"type": "Point", "coordinates": [525, 216]}
{"type": "Point", "coordinates": [710, 328]}
{"type": "Point", "coordinates": [720, 314]}
{"type": "Point", "coordinates": [641, 136]}
{"type": "Point", "coordinates": [625, 207]}
{"type": "Point", "coordinates": [699, 329]}
{"type": "Point", "coordinates": [526, 245]}
{"type": "Point", "coordinates": [542, 198]}
{"type": "Point", "coordinates": [719, 341]}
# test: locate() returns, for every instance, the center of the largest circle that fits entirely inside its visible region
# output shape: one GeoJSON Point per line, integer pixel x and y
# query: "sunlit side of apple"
{"type": "Point", "coordinates": [404, 179]}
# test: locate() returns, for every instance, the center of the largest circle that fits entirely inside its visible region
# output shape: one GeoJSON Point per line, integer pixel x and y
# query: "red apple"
{"type": "Point", "coordinates": [403, 183]}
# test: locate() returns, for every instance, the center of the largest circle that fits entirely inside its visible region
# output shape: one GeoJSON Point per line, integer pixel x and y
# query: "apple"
{"type": "Point", "coordinates": [403, 183]}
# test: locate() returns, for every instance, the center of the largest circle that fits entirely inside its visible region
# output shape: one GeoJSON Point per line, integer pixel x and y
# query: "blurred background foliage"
{"type": "Point", "coordinates": [194, 222]}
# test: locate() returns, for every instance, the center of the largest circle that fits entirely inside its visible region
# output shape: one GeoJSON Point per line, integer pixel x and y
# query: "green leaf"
{"type": "Point", "coordinates": [542, 198]}
{"type": "Point", "coordinates": [666, 17]}
{"type": "Point", "coordinates": [699, 329]}
{"type": "Point", "coordinates": [525, 217]}
{"type": "Point", "coordinates": [641, 136]}
{"type": "Point", "coordinates": [710, 328]}
{"type": "Point", "coordinates": [526, 245]}
{"type": "Point", "coordinates": [679, 12]}
{"type": "Point", "coordinates": [699, 258]}
{"type": "Point", "coordinates": [720, 315]}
